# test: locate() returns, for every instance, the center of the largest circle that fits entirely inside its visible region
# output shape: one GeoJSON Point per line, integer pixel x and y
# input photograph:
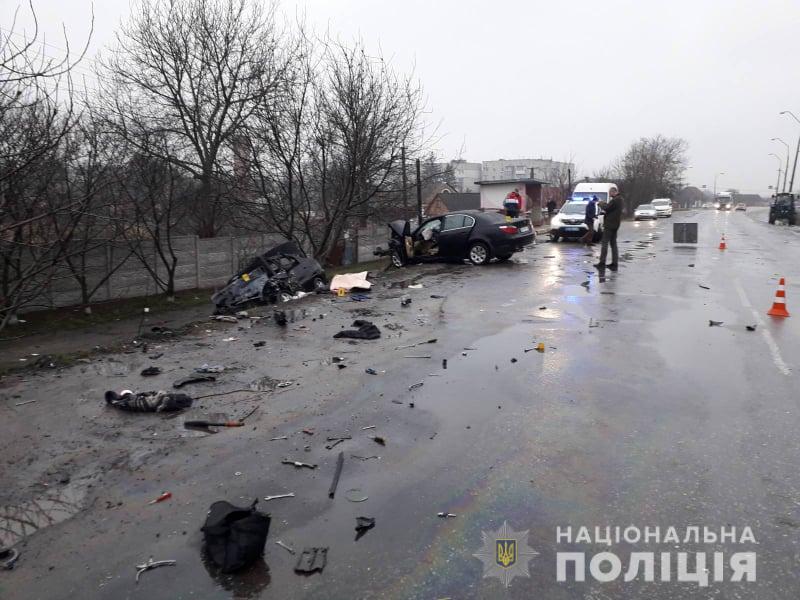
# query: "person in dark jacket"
{"type": "Point", "coordinates": [611, 222]}
{"type": "Point", "coordinates": [590, 216]}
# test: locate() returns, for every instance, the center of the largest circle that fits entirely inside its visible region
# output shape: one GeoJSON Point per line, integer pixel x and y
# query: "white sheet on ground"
{"type": "Point", "coordinates": [348, 281]}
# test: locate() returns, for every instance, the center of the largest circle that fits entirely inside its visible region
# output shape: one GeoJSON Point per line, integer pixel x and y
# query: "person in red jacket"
{"type": "Point", "coordinates": [512, 203]}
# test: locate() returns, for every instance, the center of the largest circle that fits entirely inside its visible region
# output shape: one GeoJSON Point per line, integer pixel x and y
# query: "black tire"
{"type": "Point", "coordinates": [397, 260]}
{"type": "Point", "coordinates": [771, 220]}
{"type": "Point", "coordinates": [318, 284]}
{"type": "Point", "coordinates": [554, 238]}
{"type": "Point", "coordinates": [479, 254]}
{"type": "Point", "coordinates": [792, 220]}
{"type": "Point", "coordinates": [504, 257]}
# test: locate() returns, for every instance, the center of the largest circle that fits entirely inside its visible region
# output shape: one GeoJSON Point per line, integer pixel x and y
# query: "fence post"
{"type": "Point", "coordinates": [197, 262]}
{"type": "Point", "coordinates": [108, 270]}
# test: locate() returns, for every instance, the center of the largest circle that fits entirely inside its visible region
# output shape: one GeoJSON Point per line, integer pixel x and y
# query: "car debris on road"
{"type": "Point", "coordinates": [198, 378]}
{"type": "Point", "coordinates": [366, 330]}
{"type": "Point", "coordinates": [311, 560]}
{"type": "Point", "coordinates": [278, 496]}
{"type": "Point", "coordinates": [298, 464]}
{"type": "Point", "coordinates": [153, 564]}
{"type": "Point", "coordinates": [161, 498]}
{"type": "Point", "coordinates": [8, 556]}
{"type": "Point", "coordinates": [337, 473]}
{"type": "Point", "coordinates": [289, 549]}
{"type": "Point", "coordinates": [363, 525]}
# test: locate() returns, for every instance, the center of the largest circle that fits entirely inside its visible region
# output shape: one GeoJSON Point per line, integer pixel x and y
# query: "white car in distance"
{"type": "Point", "coordinates": [663, 206]}
{"type": "Point", "coordinates": [645, 211]}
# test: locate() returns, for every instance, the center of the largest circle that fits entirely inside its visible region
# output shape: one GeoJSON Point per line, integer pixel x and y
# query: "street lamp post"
{"type": "Point", "coordinates": [788, 150]}
{"type": "Point", "coordinates": [715, 184]}
{"type": "Point", "coordinates": [796, 152]}
{"type": "Point", "coordinates": [780, 162]}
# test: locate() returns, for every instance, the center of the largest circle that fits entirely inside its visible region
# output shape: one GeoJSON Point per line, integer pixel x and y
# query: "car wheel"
{"type": "Point", "coordinates": [504, 257]}
{"type": "Point", "coordinates": [397, 260]}
{"type": "Point", "coordinates": [479, 253]}
{"type": "Point", "coordinates": [318, 284]}
{"type": "Point", "coordinates": [771, 220]}
{"type": "Point", "coordinates": [553, 238]}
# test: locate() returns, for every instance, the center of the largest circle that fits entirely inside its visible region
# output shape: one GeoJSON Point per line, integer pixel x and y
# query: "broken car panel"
{"type": "Point", "coordinates": [273, 276]}
{"type": "Point", "coordinates": [471, 234]}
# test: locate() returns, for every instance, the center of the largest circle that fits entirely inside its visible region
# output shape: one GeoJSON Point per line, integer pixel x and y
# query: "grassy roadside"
{"type": "Point", "coordinates": [71, 318]}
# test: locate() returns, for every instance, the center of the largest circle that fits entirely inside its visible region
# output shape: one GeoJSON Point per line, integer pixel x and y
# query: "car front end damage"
{"type": "Point", "coordinates": [274, 276]}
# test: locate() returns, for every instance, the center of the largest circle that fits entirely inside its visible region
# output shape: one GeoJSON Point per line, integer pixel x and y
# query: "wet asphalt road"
{"type": "Point", "coordinates": [637, 413]}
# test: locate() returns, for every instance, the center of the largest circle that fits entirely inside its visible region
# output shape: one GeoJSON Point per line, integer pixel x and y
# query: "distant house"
{"type": "Point", "coordinates": [446, 201]}
{"type": "Point", "coordinates": [493, 193]}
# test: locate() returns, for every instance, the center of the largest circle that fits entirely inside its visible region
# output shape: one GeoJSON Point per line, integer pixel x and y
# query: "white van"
{"type": "Point", "coordinates": [585, 191]}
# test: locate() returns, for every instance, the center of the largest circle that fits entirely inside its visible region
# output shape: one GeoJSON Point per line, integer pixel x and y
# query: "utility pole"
{"type": "Point", "coordinates": [794, 168]}
{"type": "Point", "coordinates": [788, 150]}
{"type": "Point", "coordinates": [405, 181]}
{"type": "Point", "coordinates": [778, 184]}
{"type": "Point", "coordinates": [419, 196]}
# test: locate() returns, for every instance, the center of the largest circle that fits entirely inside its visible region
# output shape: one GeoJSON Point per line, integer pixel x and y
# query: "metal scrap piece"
{"type": "Point", "coordinates": [336, 475]}
{"type": "Point", "coordinates": [297, 464]}
{"type": "Point", "coordinates": [311, 560]}
{"type": "Point", "coordinates": [289, 495]}
{"type": "Point", "coordinates": [153, 564]}
{"type": "Point", "coordinates": [285, 547]}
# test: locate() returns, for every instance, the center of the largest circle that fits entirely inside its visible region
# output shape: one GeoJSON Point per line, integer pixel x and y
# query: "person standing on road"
{"type": "Point", "coordinates": [611, 222]}
{"type": "Point", "coordinates": [551, 208]}
{"type": "Point", "coordinates": [591, 214]}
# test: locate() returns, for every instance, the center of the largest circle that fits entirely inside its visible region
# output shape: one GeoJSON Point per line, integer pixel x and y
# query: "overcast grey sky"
{"type": "Point", "coordinates": [582, 78]}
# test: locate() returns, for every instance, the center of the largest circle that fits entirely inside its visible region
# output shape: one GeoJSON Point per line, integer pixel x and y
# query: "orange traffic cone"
{"type": "Point", "coordinates": [779, 306]}
{"type": "Point", "coordinates": [722, 244]}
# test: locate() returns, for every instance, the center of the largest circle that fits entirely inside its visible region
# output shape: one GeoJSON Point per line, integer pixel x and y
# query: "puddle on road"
{"type": "Point", "coordinates": [242, 585]}
{"type": "Point", "coordinates": [20, 521]}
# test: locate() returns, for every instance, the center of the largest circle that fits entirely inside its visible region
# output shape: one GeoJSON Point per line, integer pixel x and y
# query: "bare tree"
{"type": "Point", "coordinates": [365, 112]}
{"type": "Point", "coordinates": [89, 156]}
{"type": "Point", "coordinates": [36, 113]}
{"type": "Point", "coordinates": [194, 71]}
{"type": "Point", "coordinates": [651, 168]}
{"type": "Point", "coordinates": [157, 202]}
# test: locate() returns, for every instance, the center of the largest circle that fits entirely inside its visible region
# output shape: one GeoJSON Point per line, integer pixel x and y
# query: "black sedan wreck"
{"type": "Point", "coordinates": [470, 234]}
{"type": "Point", "coordinates": [275, 276]}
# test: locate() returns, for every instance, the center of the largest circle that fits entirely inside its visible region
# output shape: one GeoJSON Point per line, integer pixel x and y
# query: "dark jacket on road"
{"type": "Point", "coordinates": [613, 212]}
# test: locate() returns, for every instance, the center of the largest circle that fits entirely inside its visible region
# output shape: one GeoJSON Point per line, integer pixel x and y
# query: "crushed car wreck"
{"type": "Point", "coordinates": [471, 234]}
{"type": "Point", "coordinates": [274, 276]}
